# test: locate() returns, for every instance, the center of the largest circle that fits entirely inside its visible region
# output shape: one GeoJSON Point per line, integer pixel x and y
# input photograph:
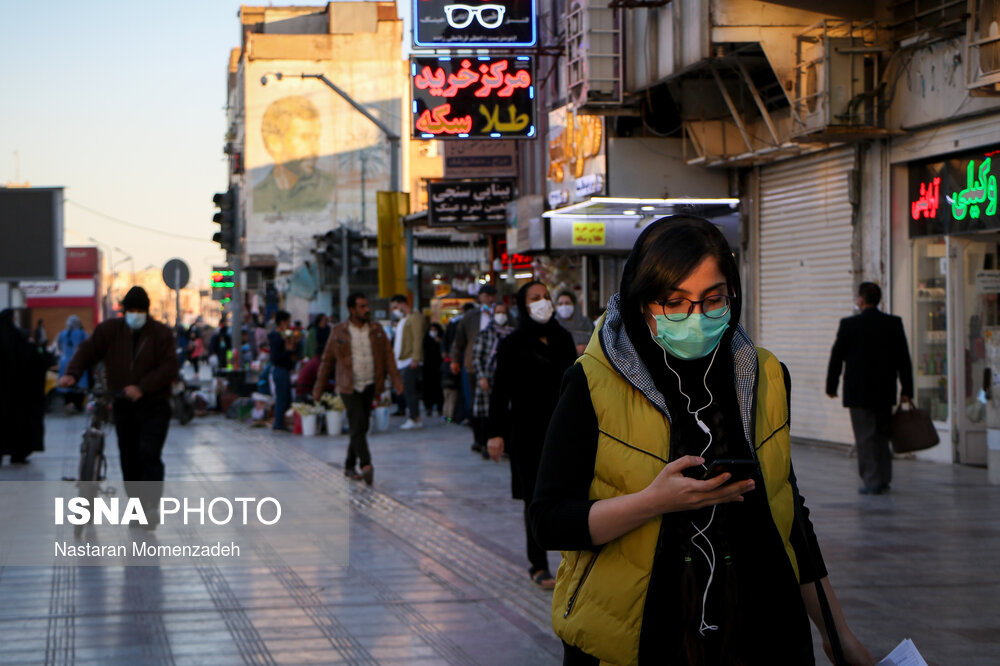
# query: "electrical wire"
{"type": "Point", "coordinates": [133, 225]}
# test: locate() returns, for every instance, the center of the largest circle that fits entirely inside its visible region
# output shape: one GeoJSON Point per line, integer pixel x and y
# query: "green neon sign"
{"type": "Point", "coordinates": [978, 191]}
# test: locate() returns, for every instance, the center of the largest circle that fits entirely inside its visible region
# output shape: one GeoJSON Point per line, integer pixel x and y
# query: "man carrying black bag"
{"type": "Point", "coordinates": [141, 363]}
{"type": "Point", "coordinates": [872, 346]}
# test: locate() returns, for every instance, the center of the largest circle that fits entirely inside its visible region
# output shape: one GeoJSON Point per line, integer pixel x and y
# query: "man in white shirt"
{"type": "Point", "coordinates": [409, 351]}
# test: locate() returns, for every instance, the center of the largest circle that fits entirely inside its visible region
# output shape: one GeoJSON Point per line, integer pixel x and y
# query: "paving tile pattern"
{"type": "Point", "coordinates": [438, 574]}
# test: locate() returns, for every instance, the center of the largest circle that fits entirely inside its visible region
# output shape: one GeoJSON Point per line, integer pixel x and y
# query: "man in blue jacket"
{"type": "Point", "coordinates": [872, 348]}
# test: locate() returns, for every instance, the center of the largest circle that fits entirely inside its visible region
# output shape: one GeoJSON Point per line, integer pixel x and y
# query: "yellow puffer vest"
{"type": "Point", "coordinates": [599, 598]}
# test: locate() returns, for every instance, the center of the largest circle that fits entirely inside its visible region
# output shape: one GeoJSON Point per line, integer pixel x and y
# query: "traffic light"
{"type": "Point", "coordinates": [223, 283]}
{"type": "Point", "coordinates": [329, 256]}
{"type": "Point", "coordinates": [356, 260]}
{"type": "Point", "coordinates": [226, 219]}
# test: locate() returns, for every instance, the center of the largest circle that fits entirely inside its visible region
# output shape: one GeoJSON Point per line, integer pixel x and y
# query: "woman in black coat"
{"type": "Point", "coordinates": [530, 366]}
{"type": "Point", "coordinates": [432, 392]}
{"type": "Point", "coordinates": [22, 392]}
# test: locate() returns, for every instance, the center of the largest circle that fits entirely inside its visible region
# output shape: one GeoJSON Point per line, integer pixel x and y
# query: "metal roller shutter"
{"type": "Point", "coordinates": [806, 280]}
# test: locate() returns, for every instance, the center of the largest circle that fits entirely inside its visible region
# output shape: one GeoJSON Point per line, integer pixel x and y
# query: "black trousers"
{"type": "Point", "coordinates": [359, 411]}
{"type": "Point", "coordinates": [142, 430]}
{"type": "Point", "coordinates": [411, 378]}
{"type": "Point", "coordinates": [872, 427]}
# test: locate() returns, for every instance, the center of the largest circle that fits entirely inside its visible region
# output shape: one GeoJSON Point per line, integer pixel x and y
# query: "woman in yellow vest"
{"type": "Point", "coordinates": [665, 560]}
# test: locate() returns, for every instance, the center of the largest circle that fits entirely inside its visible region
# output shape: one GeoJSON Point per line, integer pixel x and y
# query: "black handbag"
{"type": "Point", "coordinates": [912, 430]}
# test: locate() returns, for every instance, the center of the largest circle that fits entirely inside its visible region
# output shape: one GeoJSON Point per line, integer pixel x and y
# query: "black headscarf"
{"type": "Point", "coordinates": [526, 323]}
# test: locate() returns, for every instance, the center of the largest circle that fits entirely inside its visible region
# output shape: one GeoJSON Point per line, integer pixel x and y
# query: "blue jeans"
{"type": "Point", "coordinates": [282, 394]}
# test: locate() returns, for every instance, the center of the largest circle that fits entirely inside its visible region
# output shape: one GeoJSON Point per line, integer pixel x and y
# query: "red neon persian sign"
{"type": "Point", "coordinates": [927, 203]}
{"type": "Point", "coordinates": [473, 97]}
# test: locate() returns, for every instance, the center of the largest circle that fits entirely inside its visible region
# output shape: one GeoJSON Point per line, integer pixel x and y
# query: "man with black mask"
{"type": "Point", "coordinates": [140, 364]}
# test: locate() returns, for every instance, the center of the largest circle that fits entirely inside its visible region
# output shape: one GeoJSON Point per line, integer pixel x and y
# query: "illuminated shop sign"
{"type": "Point", "coordinates": [469, 203]}
{"type": "Point", "coordinates": [955, 195]}
{"type": "Point", "coordinates": [474, 97]}
{"type": "Point", "coordinates": [474, 23]}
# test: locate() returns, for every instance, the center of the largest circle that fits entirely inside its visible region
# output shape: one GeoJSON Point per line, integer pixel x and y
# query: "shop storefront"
{"type": "Point", "coordinates": [805, 279]}
{"type": "Point", "coordinates": [597, 235]}
{"type": "Point", "coordinates": [946, 228]}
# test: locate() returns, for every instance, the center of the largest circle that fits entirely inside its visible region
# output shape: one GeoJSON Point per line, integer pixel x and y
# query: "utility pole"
{"type": "Point", "coordinates": [345, 238]}
{"type": "Point", "coordinates": [236, 263]}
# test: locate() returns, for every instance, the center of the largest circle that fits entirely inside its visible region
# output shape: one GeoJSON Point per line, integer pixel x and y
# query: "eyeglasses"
{"type": "Point", "coordinates": [460, 16]}
{"type": "Point", "coordinates": [713, 307]}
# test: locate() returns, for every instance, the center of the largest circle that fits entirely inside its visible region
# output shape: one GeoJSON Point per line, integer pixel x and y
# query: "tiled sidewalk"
{"type": "Point", "coordinates": [438, 574]}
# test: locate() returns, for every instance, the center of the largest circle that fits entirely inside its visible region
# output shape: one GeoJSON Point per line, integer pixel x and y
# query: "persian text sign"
{"type": "Point", "coordinates": [488, 158]}
{"type": "Point", "coordinates": [474, 23]}
{"type": "Point", "coordinates": [460, 203]}
{"type": "Point", "coordinates": [474, 97]}
{"type": "Point", "coordinates": [956, 195]}
{"type": "Point", "coordinates": [588, 233]}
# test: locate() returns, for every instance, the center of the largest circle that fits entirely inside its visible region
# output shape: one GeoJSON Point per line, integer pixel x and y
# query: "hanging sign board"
{"type": "Point", "coordinates": [956, 195]}
{"type": "Point", "coordinates": [474, 97]}
{"type": "Point", "coordinates": [469, 203]}
{"type": "Point", "coordinates": [502, 24]}
{"type": "Point", "coordinates": [480, 159]}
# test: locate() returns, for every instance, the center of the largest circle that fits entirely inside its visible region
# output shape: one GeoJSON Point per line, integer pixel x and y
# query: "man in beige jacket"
{"type": "Point", "coordinates": [408, 346]}
{"type": "Point", "coordinates": [359, 353]}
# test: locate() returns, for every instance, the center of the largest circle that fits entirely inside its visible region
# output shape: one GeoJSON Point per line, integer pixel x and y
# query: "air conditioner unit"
{"type": "Point", "coordinates": [593, 54]}
{"type": "Point", "coordinates": [837, 73]}
{"type": "Point", "coordinates": [983, 44]}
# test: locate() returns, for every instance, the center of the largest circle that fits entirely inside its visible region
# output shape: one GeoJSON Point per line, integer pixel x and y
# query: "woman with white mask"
{"type": "Point", "coordinates": [530, 363]}
{"type": "Point", "coordinates": [569, 316]}
{"type": "Point", "coordinates": [484, 358]}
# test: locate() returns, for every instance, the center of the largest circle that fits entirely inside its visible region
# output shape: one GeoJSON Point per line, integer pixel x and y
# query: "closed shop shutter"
{"type": "Point", "coordinates": [806, 280]}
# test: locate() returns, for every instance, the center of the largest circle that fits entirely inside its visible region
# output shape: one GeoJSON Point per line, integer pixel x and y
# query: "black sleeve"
{"type": "Point", "coordinates": [561, 508]}
{"type": "Point", "coordinates": [837, 356]}
{"type": "Point", "coordinates": [279, 353]}
{"type": "Point", "coordinates": [903, 364]}
{"type": "Point", "coordinates": [499, 418]}
{"type": "Point", "coordinates": [803, 540]}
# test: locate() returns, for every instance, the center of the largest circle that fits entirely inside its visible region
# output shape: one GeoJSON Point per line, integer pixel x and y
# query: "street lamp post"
{"type": "Point", "coordinates": [129, 259]}
{"type": "Point", "coordinates": [111, 267]}
{"type": "Point", "coordinates": [395, 177]}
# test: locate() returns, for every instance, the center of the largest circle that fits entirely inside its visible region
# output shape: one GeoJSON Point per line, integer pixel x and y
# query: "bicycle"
{"type": "Point", "coordinates": [93, 465]}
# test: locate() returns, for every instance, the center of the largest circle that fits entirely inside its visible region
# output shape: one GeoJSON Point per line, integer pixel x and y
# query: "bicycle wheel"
{"type": "Point", "coordinates": [91, 455]}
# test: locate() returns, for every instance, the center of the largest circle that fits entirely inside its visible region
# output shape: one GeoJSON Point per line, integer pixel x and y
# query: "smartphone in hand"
{"type": "Point", "coordinates": [740, 468]}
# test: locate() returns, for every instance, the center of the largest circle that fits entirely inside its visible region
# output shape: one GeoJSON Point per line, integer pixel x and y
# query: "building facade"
{"type": "Point", "coordinates": [829, 123]}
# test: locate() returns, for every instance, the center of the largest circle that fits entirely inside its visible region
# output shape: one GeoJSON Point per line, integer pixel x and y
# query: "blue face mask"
{"type": "Point", "coordinates": [135, 320]}
{"type": "Point", "coordinates": [695, 337]}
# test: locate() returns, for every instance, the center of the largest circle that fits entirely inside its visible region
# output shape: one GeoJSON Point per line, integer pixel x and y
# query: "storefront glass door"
{"type": "Point", "coordinates": [976, 274]}
{"type": "Point", "coordinates": [930, 344]}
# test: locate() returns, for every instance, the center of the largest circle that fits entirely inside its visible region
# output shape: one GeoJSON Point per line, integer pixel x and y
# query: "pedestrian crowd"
{"type": "Point", "coordinates": [651, 447]}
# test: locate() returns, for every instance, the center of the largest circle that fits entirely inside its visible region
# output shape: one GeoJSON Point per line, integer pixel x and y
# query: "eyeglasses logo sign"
{"type": "Point", "coordinates": [461, 16]}
{"type": "Point", "coordinates": [497, 24]}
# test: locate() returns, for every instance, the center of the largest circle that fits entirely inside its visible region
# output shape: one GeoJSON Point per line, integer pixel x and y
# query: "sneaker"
{"type": "Point", "coordinates": [368, 474]}
{"type": "Point", "coordinates": [412, 425]}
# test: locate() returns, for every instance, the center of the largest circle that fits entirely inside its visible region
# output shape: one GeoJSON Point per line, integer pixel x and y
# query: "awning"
{"type": "Point", "coordinates": [442, 254]}
{"type": "Point", "coordinates": [608, 224]}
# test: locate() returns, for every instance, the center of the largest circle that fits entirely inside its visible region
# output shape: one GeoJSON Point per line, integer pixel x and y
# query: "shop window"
{"type": "Point", "coordinates": [930, 361]}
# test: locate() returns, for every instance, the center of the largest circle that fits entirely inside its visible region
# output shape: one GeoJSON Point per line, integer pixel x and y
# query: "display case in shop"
{"type": "Point", "coordinates": [930, 360]}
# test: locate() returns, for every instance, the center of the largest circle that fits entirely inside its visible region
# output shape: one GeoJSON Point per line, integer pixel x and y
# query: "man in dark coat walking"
{"type": "Point", "coordinates": [140, 362]}
{"type": "Point", "coordinates": [873, 347]}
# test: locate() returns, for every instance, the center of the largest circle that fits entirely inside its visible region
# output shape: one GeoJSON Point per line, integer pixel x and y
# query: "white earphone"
{"type": "Point", "coordinates": [709, 554]}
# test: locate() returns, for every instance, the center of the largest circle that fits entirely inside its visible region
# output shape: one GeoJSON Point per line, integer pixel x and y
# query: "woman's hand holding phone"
{"type": "Point", "coordinates": [672, 491]}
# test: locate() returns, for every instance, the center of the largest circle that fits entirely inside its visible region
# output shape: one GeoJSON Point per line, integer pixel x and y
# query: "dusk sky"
{"type": "Point", "coordinates": [121, 103]}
